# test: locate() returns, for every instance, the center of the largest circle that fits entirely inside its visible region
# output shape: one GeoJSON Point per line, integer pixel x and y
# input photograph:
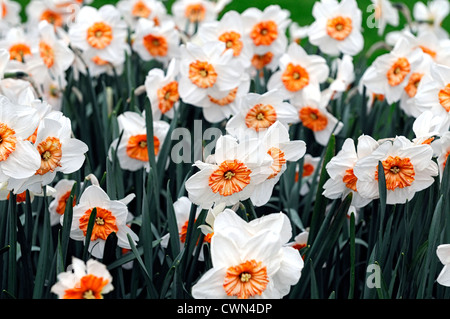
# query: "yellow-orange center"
{"type": "Point", "coordinates": [99, 35]}
{"type": "Point", "coordinates": [8, 141]}
{"type": "Point", "coordinates": [155, 45]}
{"type": "Point", "coordinates": [232, 41]}
{"type": "Point", "coordinates": [47, 54]}
{"type": "Point", "coordinates": [278, 161]}
{"type": "Point", "coordinates": [264, 33]}
{"type": "Point", "coordinates": [260, 117]}
{"type": "Point", "coordinates": [398, 71]}
{"type": "Point", "coordinates": [231, 177]}
{"type": "Point", "coordinates": [259, 61]}
{"type": "Point", "coordinates": [62, 202]}
{"type": "Point", "coordinates": [399, 172]}
{"type": "Point", "coordinates": [413, 83]}
{"type": "Point", "coordinates": [246, 279]}
{"type": "Point", "coordinates": [137, 147]}
{"type": "Point", "coordinates": [52, 17]}
{"type": "Point", "coordinates": [313, 119]}
{"type": "Point", "coordinates": [339, 27]}
{"type": "Point", "coordinates": [350, 179]}
{"type": "Point", "coordinates": [18, 51]}
{"type": "Point", "coordinates": [195, 12]}
{"type": "Point", "coordinates": [295, 77]}
{"type": "Point", "coordinates": [89, 287]}
{"type": "Point", "coordinates": [202, 74]}
{"type": "Point", "coordinates": [167, 96]}
{"type": "Point", "coordinates": [140, 10]}
{"type": "Point", "coordinates": [444, 97]}
{"type": "Point", "coordinates": [105, 223]}
{"type": "Point", "coordinates": [51, 154]}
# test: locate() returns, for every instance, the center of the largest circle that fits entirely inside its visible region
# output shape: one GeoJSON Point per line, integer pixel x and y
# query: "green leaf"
{"type": "Point", "coordinates": [90, 227]}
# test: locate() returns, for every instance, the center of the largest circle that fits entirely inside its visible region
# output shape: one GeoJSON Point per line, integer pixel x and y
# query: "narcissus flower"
{"type": "Point", "coordinates": [190, 14]}
{"type": "Point", "coordinates": [299, 74]}
{"type": "Point", "coordinates": [18, 157]}
{"type": "Point", "coordinates": [57, 206]}
{"type": "Point", "coordinates": [433, 92]}
{"type": "Point", "coordinates": [100, 32]}
{"type": "Point", "coordinates": [313, 114]}
{"type": "Point", "coordinates": [230, 30]}
{"type": "Point", "coordinates": [250, 260]}
{"type": "Point", "coordinates": [182, 208]}
{"type": "Point", "coordinates": [282, 149]}
{"type": "Point", "coordinates": [133, 10]}
{"type": "Point", "coordinates": [267, 28]}
{"type": "Point", "coordinates": [230, 175]}
{"type": "Point", "coordinates": [337, 27]}
{"type": "Point", "coordinates": [162, 90]}
{"type": "Point", "coordinates": [258, 112]}
{"type": "Point", "coordinates": [131, 148]}
{"type": "Point", "coordinates": [90, 280]}
{"type": "Point", "coordinates": [58, 151]}
{"type": "Point", "coordinates": [408, 168]}
{"type": "Point", "coordinates": [51, 57]}
{"type": "Point", "coordinates": [111, 217]}
{"type": "Point", "coordinates": [18, 43]}
{"type": "Point", "coordinates": [207, 70]}
{"type": "Point", "coordinates": [389, 73]}
{"type": "Point", "coordinates": [342, 179]}
{"type": "Point", "coordinates": [156, 42]}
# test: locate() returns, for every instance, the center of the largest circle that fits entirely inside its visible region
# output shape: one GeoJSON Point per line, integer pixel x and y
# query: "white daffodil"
{"type": "Point", "coordinates": [408, 168]}
{"type": "Point", "coordinates": [231, 173]}
{"type": "Point", "coordinates": [342, 179]}
{"type": "Point", "coordinates": [299, 74]}
{"type": "Point", "coordinates": [90, 280]}
{"type": "Point", "coordinates": [250, 260]}
{"type": "Point", "coordinates": [337, 27]}
{"type": "Point", "coordinates": [131, 149]}
{"type": "Point", "coordinates": [111, 216]}
{"type": "Point", "coordinates": [258, 112]}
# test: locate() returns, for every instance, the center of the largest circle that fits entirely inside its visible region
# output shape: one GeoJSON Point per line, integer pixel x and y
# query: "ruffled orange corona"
{"type": "Point", "coordinates": [225, 100]}
{"type": "Point", "coordinates": [155, 45]}
{"type": "Point", "coordinates": [398, 71]}
{"type": "Point", "coordinates": [260, 117]}
{"type": "Point", "coordinates": [246, 279]}
{"type": "Point", "coordinates": [105, 223]}
{"type": "Point", "coordinates": [140, 10]}
{"type": "Point", "coordinates": [51, 153]}
{"type": "Point", "coordinates": [295, 77]}
{"type": "Point", "coordinates": [18, 51]}
{"type": "Point", "coordinates": [313, 119]}
{"type": "Point", "coordinates": [99, 35]}
{"type": "Point", "coordinates": [202, 74]}
{"type": "Point", "coordinates": [231, 177]}
{"type": "Point", "coordinates": [350, 179]}
{"type": "Point", "coordinates": [278, 161]}
{"type": "Point", "coordinates": [399, 172]}
{"type": "Point", "coordinates": [137, 147]}
{"type": "Point", "coordinates": [444, 97]}
{"type": "Point", "coordinates": [7, 141]}
{"type": "Point", "coordinates": [47, 54]}
{"type": "Point", "coordinates": [89, 287]}
{"type": "Point", "coordinates": [413, 83]}
{"type": "Point", "coordinates": [232, 41]}
{"type": "Point", "coordinates": [339, 27]}
{"type": "Point", "coordinates": [264, 33]}
{"type": "Point", "coordinates": [167, 96]}
{"type": "Point", "coordinates": [195, 13]}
